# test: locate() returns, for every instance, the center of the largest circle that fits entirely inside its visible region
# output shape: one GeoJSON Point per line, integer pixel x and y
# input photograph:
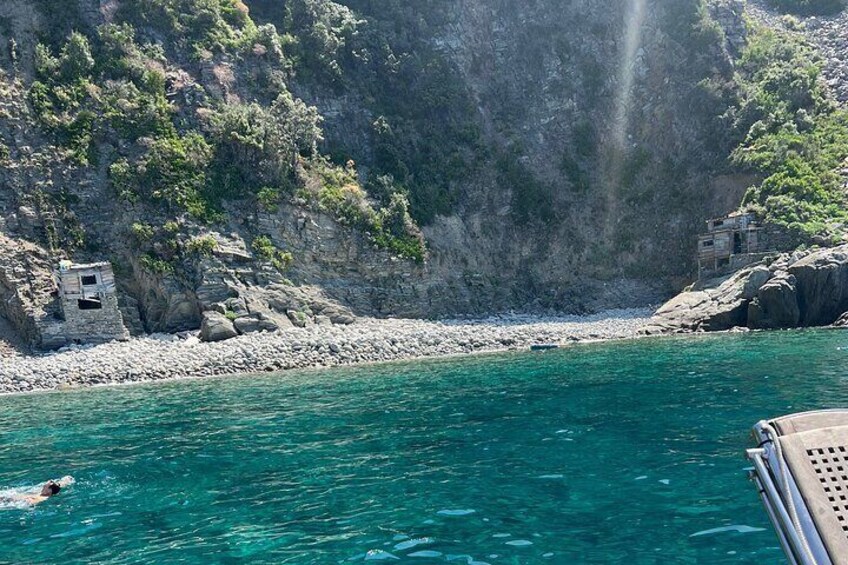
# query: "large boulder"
{"type": "Point", "coordinates": [255, 323]}
{"type": "Point", "coordinates": [722, 306]}
{"type": "Point", "coordinates": [822, 281]}
{"type": "Point", "coordinates": [776, 304]}
{"type": "Point", "coordinates": [216, 327]}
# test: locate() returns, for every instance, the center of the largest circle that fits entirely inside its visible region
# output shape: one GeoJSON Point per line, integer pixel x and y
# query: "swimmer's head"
{"type": "Point", "coordinates": [50, 488]}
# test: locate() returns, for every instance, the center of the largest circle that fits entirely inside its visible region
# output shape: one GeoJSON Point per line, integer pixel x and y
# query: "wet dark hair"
{"type": "Point", "coordinates": [51, 487]}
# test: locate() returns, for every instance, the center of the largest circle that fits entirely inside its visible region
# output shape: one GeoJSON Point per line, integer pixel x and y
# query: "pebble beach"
{"type": "Point", "coordinates": [168, 357]}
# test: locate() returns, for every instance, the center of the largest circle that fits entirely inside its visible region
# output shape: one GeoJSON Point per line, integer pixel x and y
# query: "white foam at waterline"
{"type": "Point", "coordinates": [504, 535]}
{"type": "Point", "coordinates": [379, 555]}
{"type": "Point", "coordinates": [457, 512]}
{"type": "Point", "coordinates": [413, 543]}
{"type": "Point", "coordinates": [550, 477]}
{"type": "Point", "coordinates": [664, 481]}
{"type": "Point", "coordinates": [641, 478]}
{"type": "Point", "coordinates": [741, 528]}
{"type": "Point", "coordinates": [519, 542]}
{"type": "Point", "coordinates": [13, 498]}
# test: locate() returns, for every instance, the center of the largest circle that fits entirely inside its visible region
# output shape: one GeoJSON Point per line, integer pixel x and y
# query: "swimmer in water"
{"type": "Point", "coordinates": [49, 489]}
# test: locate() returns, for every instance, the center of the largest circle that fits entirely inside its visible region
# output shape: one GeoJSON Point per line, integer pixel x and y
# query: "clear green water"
{"type": "Point", "coordinates": [615, 453]}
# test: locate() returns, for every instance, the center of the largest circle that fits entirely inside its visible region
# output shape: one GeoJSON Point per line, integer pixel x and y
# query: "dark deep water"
{"type": "Point", "coordinates": [610, 453]}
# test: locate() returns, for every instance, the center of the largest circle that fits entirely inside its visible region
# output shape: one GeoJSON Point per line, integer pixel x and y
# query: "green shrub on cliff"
{"type": "Point", "coordinates": [258, 147]}
{"type": "Point", "coordinates": [267, 251]}
{"type": "Point", "coordinates": [171, 171]}
{"type": "Point", "coordinates": [795, 136]}
{"type": "Point", "coordinates": [193, 25]}
{"type": "Point", "coordinates": [337, 191]}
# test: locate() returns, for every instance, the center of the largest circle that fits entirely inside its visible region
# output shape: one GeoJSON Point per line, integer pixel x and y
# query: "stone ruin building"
{"type": "Point", "coordinates": [89, 306]}
{"type": "Point", "coordinates": [737, 240]}
{"type": "Point", "coordinates": [728, 238]}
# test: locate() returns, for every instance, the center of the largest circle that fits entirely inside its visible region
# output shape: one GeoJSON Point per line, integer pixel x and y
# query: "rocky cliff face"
{"type": "Point", "coordinates": [612, 159]}
{"type": "Point", "coordinates": [587, 151]}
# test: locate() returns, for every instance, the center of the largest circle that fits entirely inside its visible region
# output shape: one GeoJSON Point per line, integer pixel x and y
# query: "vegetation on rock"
{"type": "Point", "coordinates": [108, 91]}
{"type": "Point", "coordinates": [795, 136]}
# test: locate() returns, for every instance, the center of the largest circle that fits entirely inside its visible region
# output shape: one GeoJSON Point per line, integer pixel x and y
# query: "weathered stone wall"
{"type": "Point", "coordinates": [85, 326]}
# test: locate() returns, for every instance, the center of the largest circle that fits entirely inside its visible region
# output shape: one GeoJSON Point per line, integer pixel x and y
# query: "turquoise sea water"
{"type": "Point", "coordinates": [609, 453]}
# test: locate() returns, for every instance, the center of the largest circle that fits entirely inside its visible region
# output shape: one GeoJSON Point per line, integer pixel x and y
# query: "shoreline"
{"type": "Point", "coordinates": [368, 341]}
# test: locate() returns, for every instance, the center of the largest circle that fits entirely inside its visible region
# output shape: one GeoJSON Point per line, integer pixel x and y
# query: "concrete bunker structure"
{"type": "Point", "coordinates": [89, 304]}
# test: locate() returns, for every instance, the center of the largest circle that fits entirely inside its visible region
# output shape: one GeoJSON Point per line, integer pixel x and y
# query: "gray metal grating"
{"type": "Point", "coordinates": [831, 467]}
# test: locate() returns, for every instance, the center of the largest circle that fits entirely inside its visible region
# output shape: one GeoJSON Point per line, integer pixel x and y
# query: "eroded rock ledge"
{"type": "Point", "coordinates": [801, 289]}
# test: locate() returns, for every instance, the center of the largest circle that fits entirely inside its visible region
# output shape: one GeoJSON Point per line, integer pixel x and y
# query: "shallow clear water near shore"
{"type": "Point", "coordinates": [620, 452]}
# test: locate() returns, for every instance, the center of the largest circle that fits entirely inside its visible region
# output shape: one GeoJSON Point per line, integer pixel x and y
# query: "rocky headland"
{"type": "Point", "coordinates": [161, 357]}
{"type": "Point", "coordinates": [790, 290]}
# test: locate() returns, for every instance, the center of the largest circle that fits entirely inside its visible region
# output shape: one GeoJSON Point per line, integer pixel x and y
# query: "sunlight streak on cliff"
{"type": "Point", "coordinates": [634, 20]}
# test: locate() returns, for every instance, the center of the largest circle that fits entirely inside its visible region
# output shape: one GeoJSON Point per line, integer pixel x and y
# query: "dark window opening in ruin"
{"type": "Point", "coordinates": [737, 243]}
{"type": "Point", "coordinates": [718, 223]}
{"type": "Point", "coordinates": [89, 304]}
{"type": "Point", "coordinates": [89, 280]}
{"type": "Point", "coordinates": [709, 243]}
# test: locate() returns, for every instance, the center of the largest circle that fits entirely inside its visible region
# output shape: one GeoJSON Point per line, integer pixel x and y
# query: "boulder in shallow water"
{"type": "Point", "coordinates": [216, 327]}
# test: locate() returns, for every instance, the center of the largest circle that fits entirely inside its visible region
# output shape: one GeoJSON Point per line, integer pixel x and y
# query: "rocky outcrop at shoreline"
{"type": "Point", "coordinates": [368, 340]}
{"type": "Point", "coordinates": [801, 289]}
